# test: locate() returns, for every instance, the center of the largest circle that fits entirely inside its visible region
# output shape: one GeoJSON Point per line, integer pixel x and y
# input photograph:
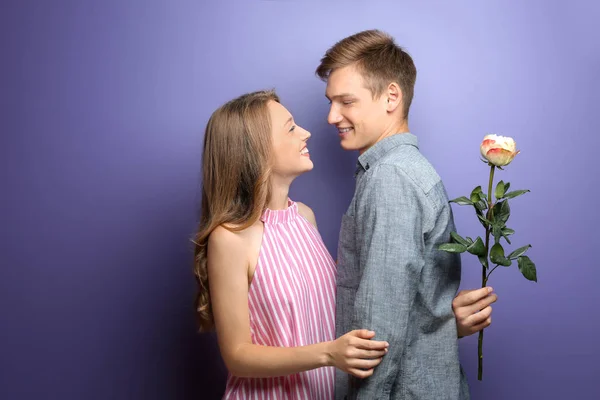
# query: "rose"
{"type": "Point", "coordinates": [498, 150]}
{"type": "Point", "coordinates": [493, 212]}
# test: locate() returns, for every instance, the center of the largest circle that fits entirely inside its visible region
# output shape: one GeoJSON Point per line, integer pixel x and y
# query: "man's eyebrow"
{"type": "Point", "coordinates": [288, 121]}
{"type": "Point", "coordinates": [337, 96]}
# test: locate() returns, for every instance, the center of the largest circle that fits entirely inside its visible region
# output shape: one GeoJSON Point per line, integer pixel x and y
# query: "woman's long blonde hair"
{"type": "Point", "coordinates": [235, 183]}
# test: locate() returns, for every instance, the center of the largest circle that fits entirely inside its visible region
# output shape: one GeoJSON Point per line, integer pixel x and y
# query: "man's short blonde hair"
{"type": "Point", "coordinates": [378, 58]}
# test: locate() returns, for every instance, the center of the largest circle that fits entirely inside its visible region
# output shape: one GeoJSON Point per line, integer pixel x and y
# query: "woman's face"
{"type": "Point", "coordinates": [290, 154]}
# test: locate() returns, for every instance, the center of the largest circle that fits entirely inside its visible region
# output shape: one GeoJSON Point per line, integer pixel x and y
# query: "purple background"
{"type": "Point", "coordinates": [103, 107]}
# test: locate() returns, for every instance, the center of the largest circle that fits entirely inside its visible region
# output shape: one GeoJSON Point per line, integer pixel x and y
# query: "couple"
{"type": "Point", "coordinates": [291, 324]}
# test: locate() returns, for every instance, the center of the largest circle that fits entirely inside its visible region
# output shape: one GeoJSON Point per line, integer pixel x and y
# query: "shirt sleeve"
{"type": "Point", "coordinates": [392, 214]}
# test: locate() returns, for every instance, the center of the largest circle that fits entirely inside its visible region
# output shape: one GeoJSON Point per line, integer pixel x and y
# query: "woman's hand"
{"type": "Point", "coordinates": [355, 353]}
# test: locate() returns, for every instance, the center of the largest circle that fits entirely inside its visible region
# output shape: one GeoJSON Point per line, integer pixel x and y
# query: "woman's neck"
{"type": "Point", "coordinates": [279, 195]}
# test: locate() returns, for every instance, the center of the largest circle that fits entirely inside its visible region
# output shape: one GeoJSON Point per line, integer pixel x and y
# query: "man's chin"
{"type": "Point", "coordinates": [348, 146]}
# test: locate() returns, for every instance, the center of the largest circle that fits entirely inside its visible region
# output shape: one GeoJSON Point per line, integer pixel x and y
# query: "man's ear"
{"type": "Point", "coordinates": [393, 96]}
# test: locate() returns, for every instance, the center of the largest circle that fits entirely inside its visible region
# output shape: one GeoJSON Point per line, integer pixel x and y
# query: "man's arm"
{"type": "Point", "coordinates": [391, 218]}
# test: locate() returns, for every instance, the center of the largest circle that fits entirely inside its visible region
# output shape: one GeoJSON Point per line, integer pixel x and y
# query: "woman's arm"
{"type": "Point", "coordinates": [228, 261]}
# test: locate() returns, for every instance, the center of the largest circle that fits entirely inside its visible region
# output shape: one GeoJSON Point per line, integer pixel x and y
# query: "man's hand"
{"type": "Point", "coordinates": [472, 310]}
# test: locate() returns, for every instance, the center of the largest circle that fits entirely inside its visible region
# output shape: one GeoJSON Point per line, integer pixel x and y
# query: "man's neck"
{"type": "Point", "coordinates": [394, 128]}
{"type": "Point", "coordinates": [391, 130]}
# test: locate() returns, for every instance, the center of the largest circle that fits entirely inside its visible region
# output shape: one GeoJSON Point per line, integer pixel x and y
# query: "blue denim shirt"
{"type": "Point", "coordinates": [393, 280]}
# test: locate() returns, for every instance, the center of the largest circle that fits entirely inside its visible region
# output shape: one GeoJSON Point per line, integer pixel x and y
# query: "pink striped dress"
{"type": "Point", "coordinates": [292, 303]}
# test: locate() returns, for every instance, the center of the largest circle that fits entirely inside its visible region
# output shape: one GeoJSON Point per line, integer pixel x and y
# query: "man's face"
{"type": "Point", "coordinates": [359, 119]}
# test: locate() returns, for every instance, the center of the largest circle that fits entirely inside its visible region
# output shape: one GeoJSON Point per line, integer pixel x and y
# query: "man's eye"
{"type": "Point", "coordinates": [292, 128]}
{"type": "Point", "coordinates": [347, 102]}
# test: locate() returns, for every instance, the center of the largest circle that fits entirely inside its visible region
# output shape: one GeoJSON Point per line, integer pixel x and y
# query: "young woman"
{"type": "Point", "coordinates": [267, 281]}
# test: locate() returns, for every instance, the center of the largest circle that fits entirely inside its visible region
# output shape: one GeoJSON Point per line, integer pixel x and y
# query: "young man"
{"type": "Point", "coordinates": [391, 277]}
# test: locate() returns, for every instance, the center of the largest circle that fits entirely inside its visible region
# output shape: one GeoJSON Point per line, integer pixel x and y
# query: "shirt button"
{"type": "Point", "coordinates": [367, 167]}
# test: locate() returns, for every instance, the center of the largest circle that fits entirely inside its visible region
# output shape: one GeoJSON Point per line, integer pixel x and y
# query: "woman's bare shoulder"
{"type": "Point", "coordinates": [307, 213]}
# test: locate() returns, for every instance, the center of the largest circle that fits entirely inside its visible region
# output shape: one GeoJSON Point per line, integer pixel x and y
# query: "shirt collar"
{"type": "Point", "coordinates": [370, 157]}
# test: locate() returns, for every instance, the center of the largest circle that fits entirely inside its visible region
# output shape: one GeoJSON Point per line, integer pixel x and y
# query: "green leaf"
{"type": "Point", "coordinates": [497, 255]}
{"type": "Point", "coordinates": [483, 221]}
{"type": "Point", "coordinates": [519, 252]}
{"type": "Point", "coordinates": [477, 247]}
{"type": "Point", "coordinates": [483, 260]}
{"type": "Point", "coordinates": [481, 205]}
{"type": "Point", "coordinates": [462, 201]}
{"type": "Point", "coordinates": [499, 192]}
{"type": "Point", "coordinates": [506, 186]}
{"type": "Point", "coordinates": [453, 247]}
{"type": "Point", "coordinates": [527, 268]}
{"type": "Point", "coordinates": [507, 231]}
{"type": "Point", "coordinates": [515, 193]}
{"type": "Point", "coordinates": [497, 231]}
{"type": "Point", "coordinates": [459, 239]}
{"type": "Point", "coordinates": [475, 194]}
{"type": "Point", "coordinates": [501, 211]}
{"type": "Point", "coordinates": [506, 262]}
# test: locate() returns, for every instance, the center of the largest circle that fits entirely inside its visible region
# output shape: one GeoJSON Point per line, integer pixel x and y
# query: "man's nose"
{"type": "Point", "coordinates": [334, 116]}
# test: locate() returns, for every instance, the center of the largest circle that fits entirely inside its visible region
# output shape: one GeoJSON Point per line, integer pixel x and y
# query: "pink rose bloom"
{"type": "Point", "coordinates": [498, 150]}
